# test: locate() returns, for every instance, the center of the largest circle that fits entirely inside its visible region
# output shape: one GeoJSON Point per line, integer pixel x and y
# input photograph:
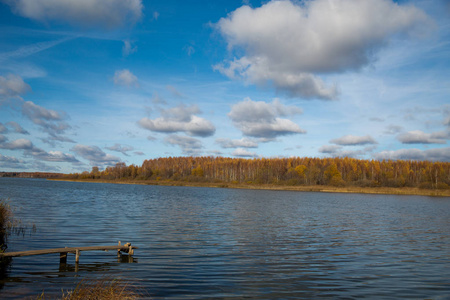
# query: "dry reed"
{"type": "Point", "coordinates": [98, 289]}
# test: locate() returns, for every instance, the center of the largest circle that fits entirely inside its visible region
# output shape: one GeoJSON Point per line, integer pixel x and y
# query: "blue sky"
{"type": "Point", "coordinates": [93, 83]}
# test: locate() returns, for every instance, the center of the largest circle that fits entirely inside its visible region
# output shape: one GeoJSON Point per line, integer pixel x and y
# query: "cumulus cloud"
{"type": "Point", "coordinates": [12, 86]}
{"type": "Point", "coordinates": [53, 138]}
{"type": "Point", "coordinates": [17, 128]}
{"type": "Point", "coordinates": [121, 148]}
{"type": "Point", "coordinates": [420, 137]}
{"type": "Point", "coordinates": [189, 145]}
{"type": "Point", "coordinates": [447, 119]}
{"type": "Point", "coordinates": [337, 151]}
{"type": "Point", "coordinates": [37, 153]}
{"type": "Point", "coordinates": [330, 149]}
{"type": "Point", "coordinates": [38, 113]}
{"type": "Point", "coordinates": [353, 140]}
{"type": "Point", "coordinates": [242, 143]}
{"type": "Point", "coordinates": [241, 152]}
{"type": "Point", "coordinates": [84, 13]}
{"type": "Point", "coordinates": [289, 43]}
{"type": "Point", "coordinates": [20, 144]}
{"type": "Point", "coordinates": [262, 120]}
{"type": "Point", "coordinates": [3, 129]}
{"type": "Point", "coordinates": [126, 78]}
{"type": "Point", "coordinates": [50, 121]}
{"type": "Point", "coordinates": [95, 155]}
{"type": "Point", "coordinates": [52, 156]}
{"type": "Point", "coordinates": [11, 162]}
{"type": "Point", "coordinates": [437, 154]}
{"type": "Point", "coordinates": [39, 165]}
{"type": "Point", "coordinates": [180, 119]}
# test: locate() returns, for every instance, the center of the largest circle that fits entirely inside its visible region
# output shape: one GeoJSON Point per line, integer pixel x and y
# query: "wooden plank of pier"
{"type": "Point", "coordinates": [127, 248]}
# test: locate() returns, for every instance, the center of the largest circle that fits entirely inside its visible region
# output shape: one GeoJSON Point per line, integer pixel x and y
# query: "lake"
{"type": "Point", "coordinates": [206, 243]}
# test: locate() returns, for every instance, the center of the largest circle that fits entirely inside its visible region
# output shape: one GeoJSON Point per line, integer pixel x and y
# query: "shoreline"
{"type": "Point", "coordinates": [298, 188]}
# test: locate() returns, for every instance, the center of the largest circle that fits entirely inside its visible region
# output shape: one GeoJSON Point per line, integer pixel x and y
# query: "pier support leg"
{"type": "Point", "coordinates": [77, 256]}
{"type": "Point", "coordinates": [63, 257]}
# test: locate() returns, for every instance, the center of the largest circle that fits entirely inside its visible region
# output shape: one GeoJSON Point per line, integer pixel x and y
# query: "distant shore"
{"type": "Point", "coordinates": [299, 188]}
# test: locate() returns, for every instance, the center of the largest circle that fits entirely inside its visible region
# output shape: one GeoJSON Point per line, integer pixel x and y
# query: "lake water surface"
{"type": "Point", "coordinates": [197, 243]}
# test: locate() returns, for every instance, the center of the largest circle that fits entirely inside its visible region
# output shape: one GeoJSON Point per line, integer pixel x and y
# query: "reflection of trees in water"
{"type": "Point", "coordinates": [98, 267]}
{"type": "Point", "coordinates": [66, 271]}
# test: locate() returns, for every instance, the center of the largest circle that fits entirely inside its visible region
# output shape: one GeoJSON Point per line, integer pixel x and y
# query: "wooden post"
{"type": "Point", "coordinates": [63, 257]}
{"type": "Point", "coordinates": [77, 256]}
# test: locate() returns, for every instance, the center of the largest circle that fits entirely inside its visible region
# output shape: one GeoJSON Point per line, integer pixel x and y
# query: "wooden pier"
{"type": "Point", "coordinates": [127, 248]}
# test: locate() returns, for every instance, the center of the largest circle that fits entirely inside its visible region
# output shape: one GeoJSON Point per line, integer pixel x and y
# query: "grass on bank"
{"type": "Point", "coordinates": [99, 289]}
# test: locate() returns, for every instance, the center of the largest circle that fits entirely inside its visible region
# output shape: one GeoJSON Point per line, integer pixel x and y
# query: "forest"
{"type": "Point", "coordinates": [339, 172]}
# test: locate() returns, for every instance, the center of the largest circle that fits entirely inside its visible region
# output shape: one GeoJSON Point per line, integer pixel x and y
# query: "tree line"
{"type": "Point", "coordinates": [284, 171]}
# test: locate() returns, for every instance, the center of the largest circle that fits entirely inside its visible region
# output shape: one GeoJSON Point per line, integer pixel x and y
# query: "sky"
{"type": "Point", "coordinates": [88, 83]}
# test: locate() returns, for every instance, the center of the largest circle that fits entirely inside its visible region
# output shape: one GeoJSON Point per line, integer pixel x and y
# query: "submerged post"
{"type": "Point", "coordinates": [63, 257]}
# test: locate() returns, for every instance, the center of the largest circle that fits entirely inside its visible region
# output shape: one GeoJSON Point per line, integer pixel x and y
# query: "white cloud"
{"type": "Point", "coordinates": [37, 153]}
{"type": "Point", "coordinates": [126, 78]}
{"type": "Point", "coordinates": [180, 119]}
{"type": "Point", "coordinates": [42, 167]}
{"type": "Point", "coordinates": [11, 162]}
{"type": "Point", "coordinates": [53, 156]}
{"type": "Point", "coordinates": [95, 155]}
{"type": "Point", "coordinates": [121, 148]}
{"type": "Point", "coordinates": [288, 44]}
{"type": "Point", "coordinates": [20, 144]}
{"type": "Point", "coordinates": [38, 113]}
{"type": "Point", "coordinates": [353, 140]}
{"type": "Point", "coordinates": [17, 128]}
{"type": "Point", "coordinates": [420, 137]}
{"type": "Point", "coordinates": [83, 13]}
{"type": "Point", "coordinates": [437, 154]}
{"type": "Point", "coordinates": [189, 145]}
{"type": "Point", "coordinates": [29, 50]}
{"type": "Point", "coordinates": [3, 129]}
{"type": "Point", "coordinates": [240, 152]}
{"type": "Point", "coordinates": [337, 151]}
{"type": "Point", "coordinates": [49, 120]}
{"type": "Point", "coordinates": [128, 48]}
{"type": "Point", "coordinates": [262, 120]}
{"type": "Point", "coordinates": [330, 149]}
{"type": "Point", "coordinates": [393, 129]}
{"type": "Point", "coordinates": [12, 86]}
{"type": "Point", "coordinates": [242, 143]}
